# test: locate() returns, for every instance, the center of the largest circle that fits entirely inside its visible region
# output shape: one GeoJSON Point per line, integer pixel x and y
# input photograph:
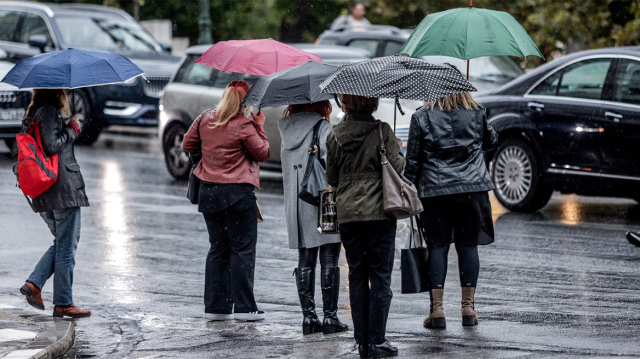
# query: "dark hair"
{"type": "Point", "coordinates": [54, 97]}
{"type": "Point", "coordinates": [322, 108]}
{"type": "Point", "coordinates": [354, 103]}
{"type": "Point", "coordinates": [356, 3]}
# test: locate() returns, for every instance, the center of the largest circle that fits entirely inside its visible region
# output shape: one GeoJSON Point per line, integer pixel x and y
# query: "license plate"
{"type": "Point", "coordinates": [12, 114]}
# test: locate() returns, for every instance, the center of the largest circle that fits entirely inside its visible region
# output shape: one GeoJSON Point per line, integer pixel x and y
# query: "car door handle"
{"type": "Point", "coordinates": [536, 106]}
{"type": "Point", "coordinates": [616, 117]}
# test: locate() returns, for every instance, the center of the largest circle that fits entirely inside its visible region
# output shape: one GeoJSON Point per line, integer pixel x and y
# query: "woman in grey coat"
{"type": "Point", "coordinates": [296, 129]}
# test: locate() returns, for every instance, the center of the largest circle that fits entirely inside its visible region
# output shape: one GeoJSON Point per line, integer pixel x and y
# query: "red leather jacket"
{"type": "Point", "coordinates": [230, 153]}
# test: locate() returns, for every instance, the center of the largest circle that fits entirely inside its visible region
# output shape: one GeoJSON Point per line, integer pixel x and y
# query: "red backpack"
{"type": "Point", "coordinates": [36, 171]}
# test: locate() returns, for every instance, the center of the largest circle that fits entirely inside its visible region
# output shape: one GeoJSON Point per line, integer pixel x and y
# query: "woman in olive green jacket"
{"type": "Point", "coordinates": [367, 233]}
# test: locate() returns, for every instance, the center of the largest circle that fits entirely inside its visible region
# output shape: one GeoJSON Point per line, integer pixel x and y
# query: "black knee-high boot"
{"type": "Point", "coordinates": [330, 282]}
{"type": "Point", "coordinates": [306, 283]}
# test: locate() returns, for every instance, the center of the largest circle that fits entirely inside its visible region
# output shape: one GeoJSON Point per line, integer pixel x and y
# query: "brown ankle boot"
{"type": "Point", "coordinates": [71, 310]}
{"type": "Point", "coordinates": [32, 293]}
{"type": "Point", "coordinates": [436, 320]}
{"type": "Point", "coordinates": [469, 317]}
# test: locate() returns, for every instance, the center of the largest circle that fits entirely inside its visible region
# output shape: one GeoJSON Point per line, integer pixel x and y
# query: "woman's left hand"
{"type": "Point", "coordinates": [259, 118]}
{"type": "Point", "coordinates": [399, 143]}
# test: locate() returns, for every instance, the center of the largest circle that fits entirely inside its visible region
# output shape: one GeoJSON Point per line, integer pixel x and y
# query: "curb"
{"type": "Point", "coordinates": [60, 347]}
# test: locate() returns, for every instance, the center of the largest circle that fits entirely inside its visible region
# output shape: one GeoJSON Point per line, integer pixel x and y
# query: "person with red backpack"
{"type": "Point", "coordinates": [59, 205]}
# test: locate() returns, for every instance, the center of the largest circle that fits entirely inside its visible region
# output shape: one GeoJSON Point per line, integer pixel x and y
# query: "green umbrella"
{"type": "Point", "coordinates": [467, 33]}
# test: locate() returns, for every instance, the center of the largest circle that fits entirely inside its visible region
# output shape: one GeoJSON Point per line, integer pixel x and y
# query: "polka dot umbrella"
{"type": "Point", "coordinates": [397, 77]}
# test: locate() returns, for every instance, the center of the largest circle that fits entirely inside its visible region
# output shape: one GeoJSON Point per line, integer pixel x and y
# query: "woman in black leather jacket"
{"type": "Point", "coordinates": [445, 161]}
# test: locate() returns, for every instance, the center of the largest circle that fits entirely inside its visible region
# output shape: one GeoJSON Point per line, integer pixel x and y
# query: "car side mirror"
{"type": "Point", "coordinates": [166, 48]}
{"type": "Point", "coordinates": [39, 41]}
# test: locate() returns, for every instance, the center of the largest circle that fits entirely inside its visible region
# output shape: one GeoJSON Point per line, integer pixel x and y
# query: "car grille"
{"type": "Point", "coordinates": [15, 99]}
{"type": "Point", "coordinates": [154, 85]}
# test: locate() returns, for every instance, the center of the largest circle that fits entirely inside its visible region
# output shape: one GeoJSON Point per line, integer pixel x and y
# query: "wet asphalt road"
{"type": "Point", "coordinates": [559, 283]}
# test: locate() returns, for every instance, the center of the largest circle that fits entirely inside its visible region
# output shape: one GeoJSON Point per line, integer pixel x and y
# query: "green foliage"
{"type": "Point", "coordinates": [555, 26]}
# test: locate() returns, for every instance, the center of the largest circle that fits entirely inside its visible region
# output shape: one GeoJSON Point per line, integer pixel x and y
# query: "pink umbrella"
{"type": "Point", "coordinates": [255, 57]}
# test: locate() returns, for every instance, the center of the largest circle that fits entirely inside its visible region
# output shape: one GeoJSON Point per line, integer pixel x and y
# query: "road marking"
{"type": "Point", "coordinates": [9, 335]}
{"type": "Point", "coordinates": [22, 354]}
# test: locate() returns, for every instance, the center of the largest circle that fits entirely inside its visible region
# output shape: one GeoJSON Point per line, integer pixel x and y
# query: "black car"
{"type": "Point", "coordinates": [29, 28]}
{"type": "Point", "coordinates": [571, 125]}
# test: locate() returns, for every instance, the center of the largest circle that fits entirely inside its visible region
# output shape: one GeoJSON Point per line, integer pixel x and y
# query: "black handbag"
{"type": "Point", "coordinates": [314, 179]}
{"type": "Point", "coordinates": [193, 184]}
{"type": "Point", "coordinates": [413, 262]}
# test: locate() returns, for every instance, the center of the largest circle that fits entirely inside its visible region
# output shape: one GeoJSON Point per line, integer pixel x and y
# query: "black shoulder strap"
{"type": "Point", "coordinates": [314, 151]}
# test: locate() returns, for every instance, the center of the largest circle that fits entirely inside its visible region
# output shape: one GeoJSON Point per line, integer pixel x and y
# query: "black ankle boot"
{"type": "Point", "coordinates": [330, 282]}
{"type": "Point", "coordinates": [363, 350]}
{"type": "Point", "coordinates": [306, 283]}
{"type": "Point", "coordinates": [384, 350]}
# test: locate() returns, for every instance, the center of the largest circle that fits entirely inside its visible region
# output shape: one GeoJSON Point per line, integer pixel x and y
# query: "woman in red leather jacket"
{"type": "Point", "coordinates": [232, 145]}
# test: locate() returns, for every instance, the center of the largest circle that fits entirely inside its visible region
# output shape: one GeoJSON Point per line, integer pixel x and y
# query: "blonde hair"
{"type": "Point", "coordinates": [229, 105]}
{"type": "Point", "coordinates": [454, 102]}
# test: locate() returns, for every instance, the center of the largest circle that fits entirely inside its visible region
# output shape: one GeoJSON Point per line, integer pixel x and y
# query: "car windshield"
{"type": "Point", "coordinates": [489, 68]}
{"type": "Point", "coordinates": [103, 34]}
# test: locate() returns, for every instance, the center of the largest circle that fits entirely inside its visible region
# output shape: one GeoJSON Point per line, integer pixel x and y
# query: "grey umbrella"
{"type": "Point", "coordinates": [297, 85]}
{"type": "Point", "coordinates": [397, 77]}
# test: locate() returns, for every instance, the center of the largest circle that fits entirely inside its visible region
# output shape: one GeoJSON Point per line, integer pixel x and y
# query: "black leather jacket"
{"type": "Point", "coordinates": [444, 151]}
{"type": "Point", "coordinates": [68, 190]}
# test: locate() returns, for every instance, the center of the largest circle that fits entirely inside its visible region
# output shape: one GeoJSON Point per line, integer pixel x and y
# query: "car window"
{"type": "Point", "coordinates": [9, 24]}
{"type": "Point", "coordinates": [34, 25]}
{"type": "Point", "coordinates": [627, 82]}
{"type": "Point", "coordinates": [100, 34]}
{"type": "Point", "coordinates": [195, 74]}
{"type": "Point", "coordinates": [584, 79]}
{"type": "Point", "coordinates": [548, 87]}
{"type": "Point", "coordinates": [222, 79]}
{"type": "Point", "coordinates": [392, 48]}
{"type": "Point", "coordinates": [369, 45]}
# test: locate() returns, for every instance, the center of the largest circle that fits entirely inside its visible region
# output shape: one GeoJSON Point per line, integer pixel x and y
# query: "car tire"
{"type": "Point", "coordinates": [89, 128]}
{"type": "Point", "coordinates": [515, 173]}
{"type": "Point", "coordinates": [176, 159]}
{"type": "Point", "coordinates": [9, 142]}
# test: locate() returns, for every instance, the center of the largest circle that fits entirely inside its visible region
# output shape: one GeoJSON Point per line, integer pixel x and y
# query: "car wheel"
{"type": "Point", "coordinates": [89, 129]}
{"type": "Point", "coordinates": [9, 142]}
{"type": "Point", "coordinates": [519, 186]}
{"type": "Point", "coordinates": [177, 160]}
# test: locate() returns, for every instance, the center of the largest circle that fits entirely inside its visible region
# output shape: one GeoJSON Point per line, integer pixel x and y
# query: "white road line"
{"type": "Point", "coordinates": [9, 335]}
{"type": "Point", "coordinates": [22, 354]}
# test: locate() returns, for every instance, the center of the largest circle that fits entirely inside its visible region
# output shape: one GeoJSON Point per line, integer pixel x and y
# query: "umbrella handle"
{"type": "Point", "coordinates": [399, 107]}
{"type": "Point", "coordinates": [335, 97]}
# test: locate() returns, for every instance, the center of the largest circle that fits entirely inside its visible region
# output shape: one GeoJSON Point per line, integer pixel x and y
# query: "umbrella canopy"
{"type": "Point", "coordinates": [71, 68]}
{"type": "Point", "coordinates": [254, 57]}
{"type": "Point", "coordinates": [297, 85]}
{"type": "Point", "coordinates": [397, 77]}
{"type": "Point", "coordinates": [467, 33]}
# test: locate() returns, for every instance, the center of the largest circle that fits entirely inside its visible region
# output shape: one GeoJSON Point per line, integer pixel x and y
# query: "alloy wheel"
{"type": "Point", "coordinates": [176, 155]}
{"type": "Point", "coordinates": [513, 174]}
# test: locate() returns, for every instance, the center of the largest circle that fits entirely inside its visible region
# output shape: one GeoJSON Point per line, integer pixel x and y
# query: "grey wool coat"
{"type": "Point", "coordinates": [301, 218]}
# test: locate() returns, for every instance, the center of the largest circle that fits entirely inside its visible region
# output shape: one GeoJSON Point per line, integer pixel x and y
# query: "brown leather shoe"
{"type": "Point", "coordinates": [71, 310]}
{"type": "Point", "coordinates": [32, 293]}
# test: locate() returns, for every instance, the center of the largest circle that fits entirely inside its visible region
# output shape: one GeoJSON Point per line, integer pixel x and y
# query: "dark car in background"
{"type": "Point", "coordinates": [571, 125]}
{"type": "Point", "coordinates": [13, 104]}
{"type": "Point", "coordinates": [29, 28]}
{"type": "Point", "coordinates": [486, 73]}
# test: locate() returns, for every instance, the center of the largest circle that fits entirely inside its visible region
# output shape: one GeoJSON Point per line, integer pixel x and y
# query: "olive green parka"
{"type": "Point", "coordinates": [354, 168]}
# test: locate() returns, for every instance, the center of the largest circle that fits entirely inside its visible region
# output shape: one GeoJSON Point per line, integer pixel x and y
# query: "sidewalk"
{"type": "Point", "coordinates": [29, 333]}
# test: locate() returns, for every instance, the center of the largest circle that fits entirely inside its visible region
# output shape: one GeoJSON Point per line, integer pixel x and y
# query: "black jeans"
{"type": "Point", "coordinates": [369, 248]}
{"type": "Point", "coordinates": [233, 234]}
{"type": "Point", "coordinates": [468, 265]}
{"type": "Point", "coordinates": [329, 256]}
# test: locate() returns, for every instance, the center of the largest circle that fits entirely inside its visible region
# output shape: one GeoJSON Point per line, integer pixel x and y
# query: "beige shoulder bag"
{"type": "Point", "coordinates": [400, 197]}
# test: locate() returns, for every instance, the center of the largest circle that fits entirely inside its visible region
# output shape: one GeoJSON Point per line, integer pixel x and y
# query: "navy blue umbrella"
{"type": "Point", "coordinates": [71, 68]}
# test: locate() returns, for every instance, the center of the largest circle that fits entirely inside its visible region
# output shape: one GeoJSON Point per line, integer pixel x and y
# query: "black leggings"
{"type": "Point", "coordinates": [329, 256]}
{"type": "Point", "coordinates": [468, 263]}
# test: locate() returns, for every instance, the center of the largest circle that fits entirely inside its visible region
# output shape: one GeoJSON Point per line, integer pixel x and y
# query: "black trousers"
{"type": "Point", "coordinates": [369, 248]}
{"type": "Point", "coordinates": [233, 234]}
{"type": "Point", "coordinates": [329, 256]}
{"type": "Point", "coordinates": [468, 265]}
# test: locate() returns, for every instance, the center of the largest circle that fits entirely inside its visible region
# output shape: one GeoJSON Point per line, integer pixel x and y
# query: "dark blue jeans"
{"type": "Point", "coordinates": [59, 259]}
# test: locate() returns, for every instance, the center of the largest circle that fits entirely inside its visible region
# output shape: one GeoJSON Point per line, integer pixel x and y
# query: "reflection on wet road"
{"type": "Point", "coordinates": [560, 282]}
